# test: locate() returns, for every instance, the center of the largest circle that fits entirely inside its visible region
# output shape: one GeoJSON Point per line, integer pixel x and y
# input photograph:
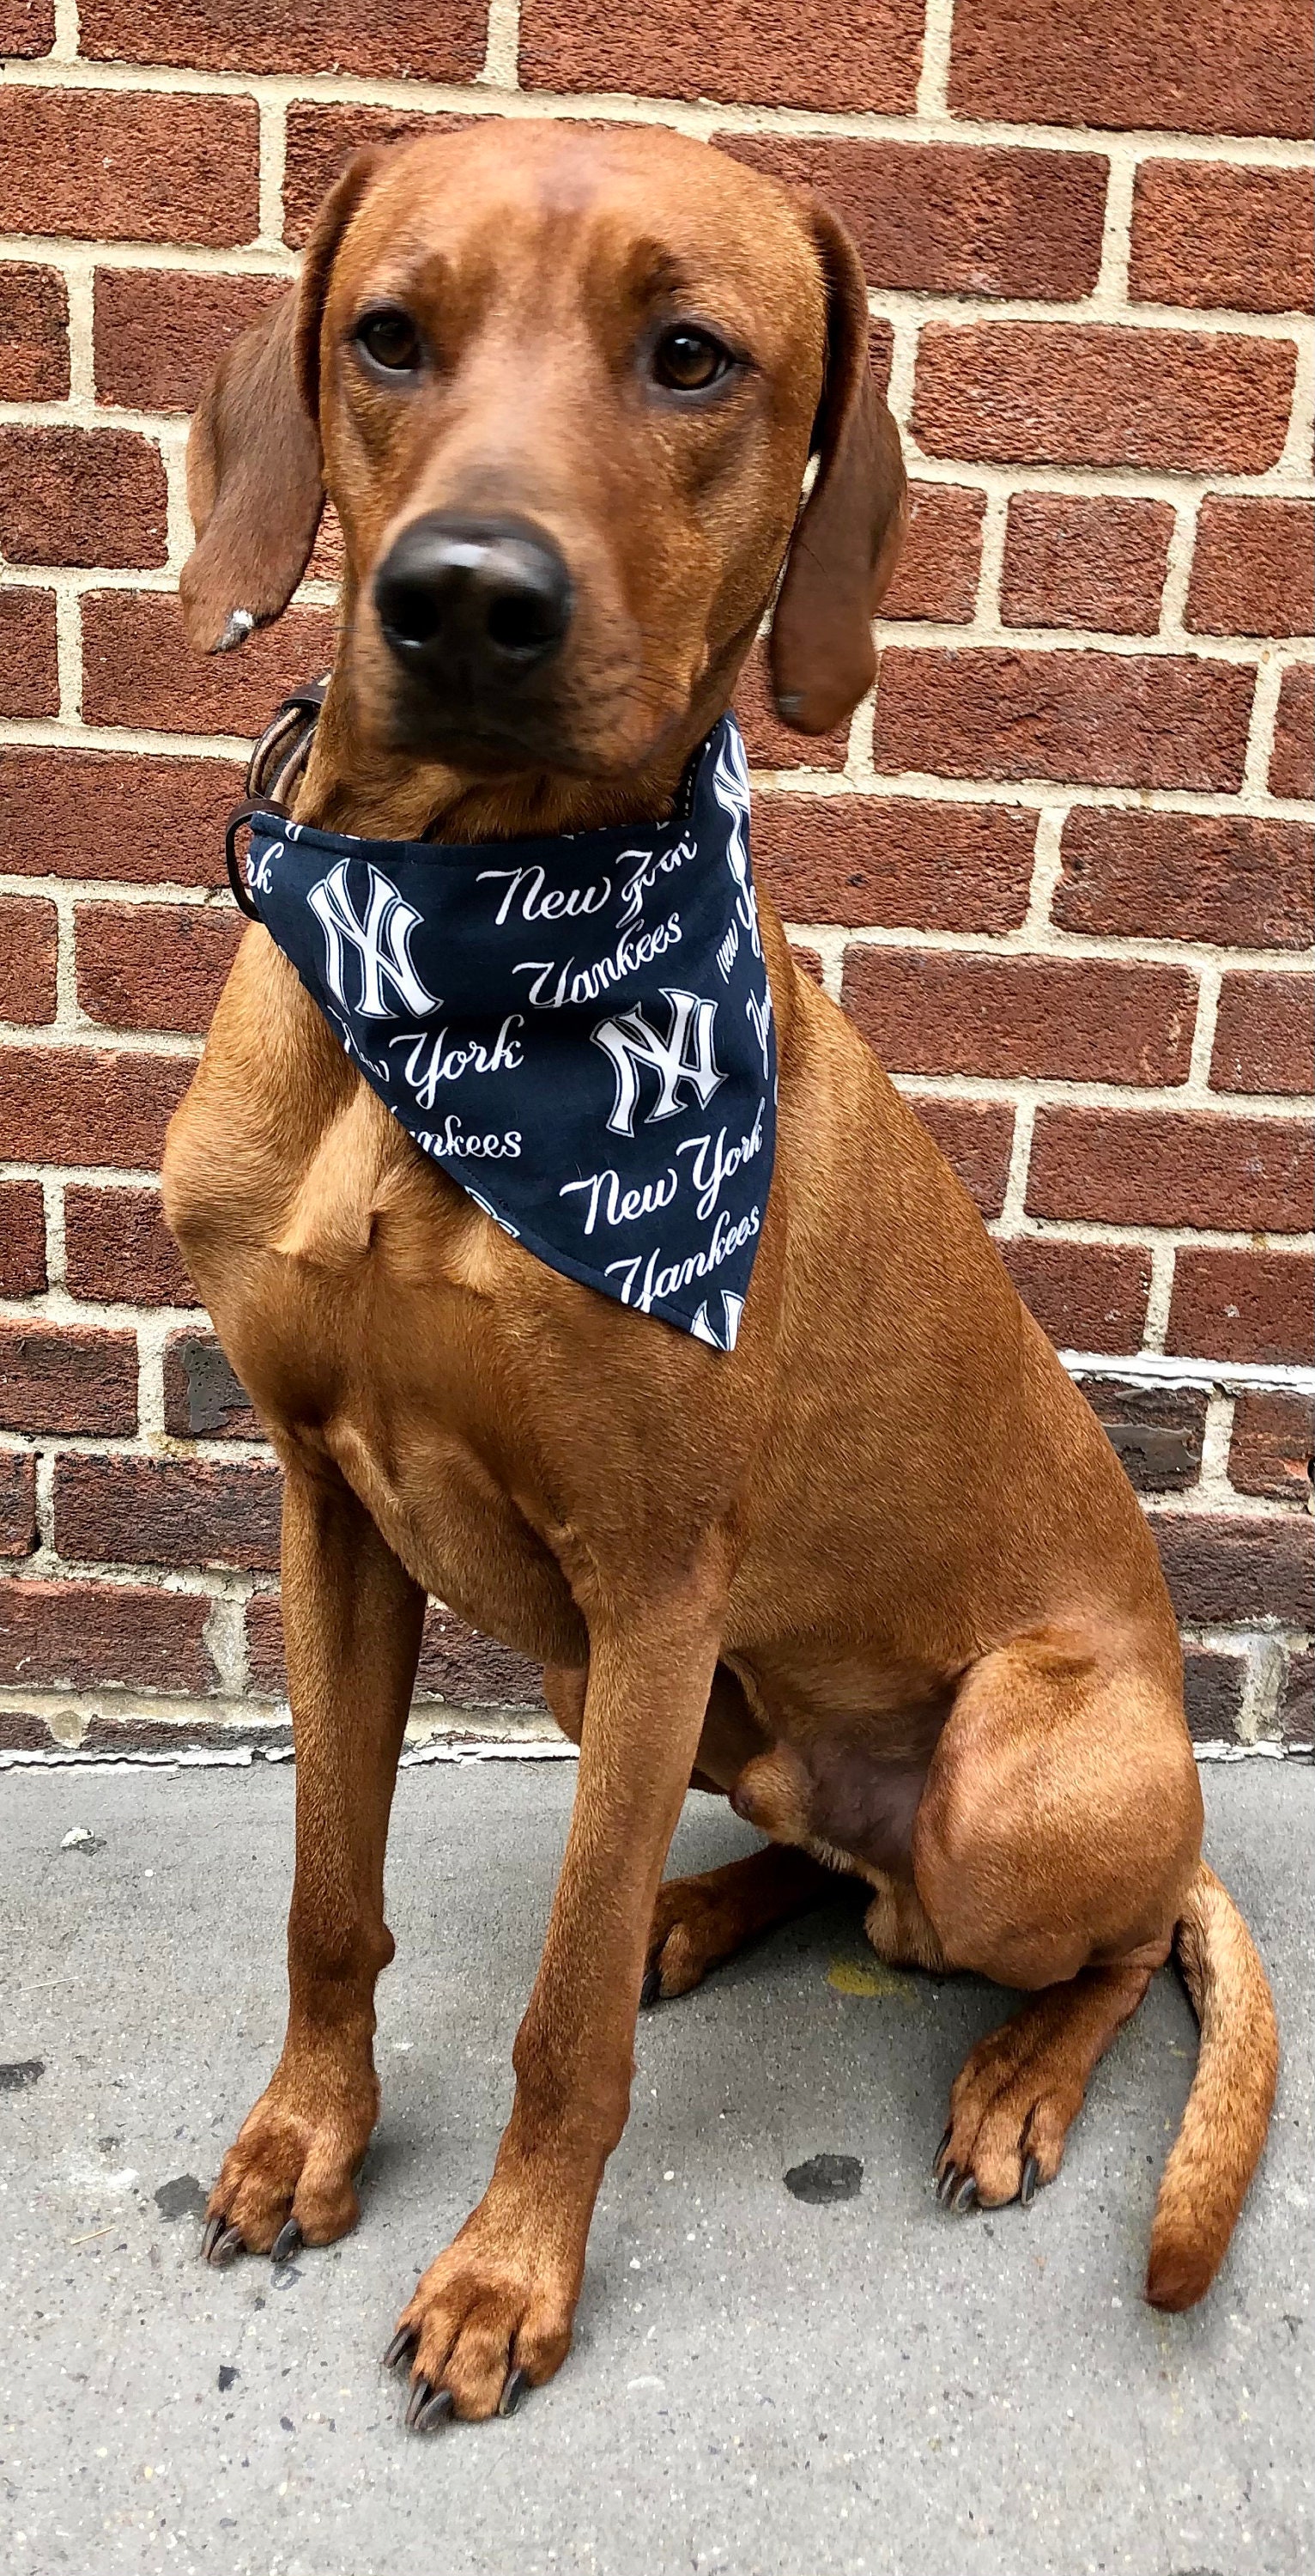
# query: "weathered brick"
{"type": "Point", "coordinates": [322, 135]}
{"type": "Point", "coordinates": [1171, 1167]}
{"type": "Point", "coordinates": [1272, 1449]}
{"type": "Point", "coordinates": [137, 669]}
{"type": "Point", "coordinates": [1292, 761]}
{"type": "Point", "coordinates": [85, 1105]}
{"type": "Point", "coordinates": [34, 361]}
{"type": "Point", "coordinates": [122, 816]}
{"type": "Point", "coordinates": [1208, 233]}
{"type": "Point", "coordinates": [1126, 720]}
{"type": "Point", "coordinates": [119, 1250]}
{"type": "Point", "coordinates": [1227, 1568]}
{"type": "Point", "coordinates": [160, 333]}
{"type": "Point", "coordinates": [22, 1239]}
{"type": "Point", "coordinates": [73, 1636]}
{"type": "Point", "coordinates": [1095, 393]}
{"type": "Point", "coordinates": [1156, 1431]}
{"type": "Point", "coordinates": [976, 1137]}
{"type": "Point", "coordinates": [18, 1503]}
{"type": "Point", "coordinates": [949, 219]}
{"type": "Point", "coordinates": [81, 496]}
{"type": "Point", "coordinates": [457, 1665]}
{"type": "Point", "coordinates": [1224, 877]}
{"type": "Point", "coordinates": [1265, 1034]}
{"type": "Point", "coordinates": [800, 53]}
{"type": "Point", "coordinates": [202, 1398]}
{"type": "Point", "coordinates": [771, 744]}
{"type": "Point", "coordinates": [26, 27]}
{"type": "Point", "coordinates": [1253, 572]}
{"type": "Point", "coordinates": [410, 40]}
{"type": "Point", "coordinates": [29, 938]}
{"type": "Point", "coordinates": [62, 1377]}
{"type": "Point", "coordinates": [29, 669]}
{"type": "Point", "coordinates": [1298, 1715]}
{"type": "Point", "coordinates": [1070, 561]}
{"type": "Point", "coordinates": [154, 966]}
{"type": "Point", "coordinates": [936, 575]}
{"type": "Point", "coordinates": [114, 165]}
{"type": "Point", "coordinates": [1195, 66]}
{"type": "Point", "coordinates": [1243, 1306]}
{"type": "Point", "coordinates": [894, 861]}
{"type": "Point", "coordinates": [1086, 1296]}
{"type": "Point", "coordinates": [167, 1511]}
{"type": "Point", "coordinates": [1069, 1019]}
{"type": "Point", "coordinates": [1212, 1691]}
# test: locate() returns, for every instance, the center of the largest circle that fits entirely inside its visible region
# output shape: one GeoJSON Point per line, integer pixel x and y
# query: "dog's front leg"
{"type": "Point", "coordinates": [495, 2310]}
{"type": "Point", "coordinates": [352, 1619]}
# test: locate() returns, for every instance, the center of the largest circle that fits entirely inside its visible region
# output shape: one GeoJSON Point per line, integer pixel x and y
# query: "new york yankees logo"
{"type": "Point", "coordinates": [684, 1055]}
{"type": "Point", "coordinates": [380, 941]}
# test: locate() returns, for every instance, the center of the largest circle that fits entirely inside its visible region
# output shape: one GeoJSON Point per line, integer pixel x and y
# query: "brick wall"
{"type": "Point", "coordinates": [1059, 868]}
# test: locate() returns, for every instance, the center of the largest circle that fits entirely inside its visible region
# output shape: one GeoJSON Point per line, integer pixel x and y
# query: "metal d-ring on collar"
{"type": "Point", "coordinates": [273, 770]}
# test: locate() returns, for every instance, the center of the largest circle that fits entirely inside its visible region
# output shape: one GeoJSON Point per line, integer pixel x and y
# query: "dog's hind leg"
{"type": "Point", "coordinates": [700, 1922]}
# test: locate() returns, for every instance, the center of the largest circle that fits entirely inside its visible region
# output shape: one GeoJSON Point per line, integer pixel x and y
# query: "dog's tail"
{"type": "Point", "coordinates": [1218, 2146]}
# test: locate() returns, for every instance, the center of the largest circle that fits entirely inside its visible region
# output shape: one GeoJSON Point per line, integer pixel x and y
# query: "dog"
{"type": "Point", "coordinates": [874, 1574]}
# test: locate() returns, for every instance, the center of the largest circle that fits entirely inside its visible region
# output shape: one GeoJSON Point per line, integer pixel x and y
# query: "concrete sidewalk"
{"type": "Point", "coordinates": [759, 2385]}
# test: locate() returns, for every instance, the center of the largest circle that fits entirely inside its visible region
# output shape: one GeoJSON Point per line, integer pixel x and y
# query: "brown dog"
{"type": "Point", "coordinates": [877, 1574]}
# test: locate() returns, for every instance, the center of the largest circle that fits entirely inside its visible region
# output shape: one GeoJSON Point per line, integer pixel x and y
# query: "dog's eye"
{"type": "Point", "coordinates": [391, 339]}
{"type": "Point", "coordinates": [689, 360]}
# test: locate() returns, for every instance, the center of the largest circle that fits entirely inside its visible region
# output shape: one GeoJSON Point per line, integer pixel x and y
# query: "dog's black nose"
{"type": "Point", "coordinates": [469, 603]}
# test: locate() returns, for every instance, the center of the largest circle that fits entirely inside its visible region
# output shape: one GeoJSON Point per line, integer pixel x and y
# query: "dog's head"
{"type": "Point", "coordinates": [562, 384]}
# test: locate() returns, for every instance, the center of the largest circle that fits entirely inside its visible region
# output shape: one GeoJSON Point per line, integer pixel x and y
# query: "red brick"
{"type": "Point", "coordinates": [18, 1503]}
{"type": "Point", "coordinates": [1076, 562]}
{"type": "Point", "coordinates": [22, 1239]}
{"type": "Point", "coordinates": [799, 53]}
{"type": "Point", "coordinates": [26, 26]}
{"type": "Point", "coordinates": [29, 670]}
{"type": "Point", "coordinates": [1243, 1306]}
{"type": "Point", "coordinates": [952, 219]}
{"type": "Point", "coordinates": [81, 496]}
{"type": "Point", "coordinates": [1265, 1034]}
{"type": "Point", "coordinates": [321, 138]}
{"type": "Point", "coordinates": [71, 1636]}
{"type": "Point", "coordinates": [1094, 393]}
{"type": "Point", "coordinates": [111, 165]}
{"type": "Point", "coordinates": [771, 744]}
{"type": "Point", "coordinates": [1157, 1431]}
{"type": "Point", "coordinates": [159, 333]}
{"type": "Point", "coordinates": [1066, 1019]}
{"type": "Point", "coordinates": [1299, 1702]}
{"type": "Point", "coordinates": [328, 560]}
{"type": "Point", "coordinates": [894, 861]}
{"type": "Point", "coordinates": [1292, 761]}
{"type": "Point", "coordinates": [1086, 1296]}
{"type": "Point", "coordinates": [120, 816]}
{"type": "Point", "coordinates": [34, 361]}
{"type": "Point", "coordinates": [84, 1105]}
{"type": "Point", "coordinates": [457, 1664]}
{"type": "Point", "coordinates": [1172, 1167]}
{"type": "Point", "coordinates": [29, 937]}
{"type": "Point", "coordinates": [1212, 1692]}
{"type": "Point", "coordinates": [167, 1511]}
{"type": "Point", "coordinates": [202, 1398]}
{"type": "Point", "coordinates": [1206, 233]}
{"type": "Point", "coordinates": [1212, 877]}
{"type": "Point", "coordinates": [154, 966]}
{"type": "Point", "coordinates": [1227, 1568]}
{"type": "Point", "coordinates": [1195, 66]}
{"type": "Point", "coordinates": [936, 575]}
{"type": "Point", "coordinates": [119, 1250]}
{"type": "Point", "coordinates": [57, 1377]}
{"type": "Point", "coordinates": [1125, 720]}
{"type": "Point", "coordinates": [410, 40]}
{"type": "Point", "coordinates": [976, 1137]}
{"type": "Point", "coordinates": [1253, 572]}
{"type": "Point", "coordinates": [1272, 1450]}
{"type": "Point", "coordinates": [137, 669]}
{"type": "Point", "coordinates": [808, 960]}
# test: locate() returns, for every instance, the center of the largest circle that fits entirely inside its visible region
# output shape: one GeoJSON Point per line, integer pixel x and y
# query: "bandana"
{"type": "Point", "coordinates": [578, 1029]}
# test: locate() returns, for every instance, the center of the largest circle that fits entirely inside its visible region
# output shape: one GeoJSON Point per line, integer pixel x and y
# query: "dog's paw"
{"type": "Point", "coordinates": [288, 2178]}
{"type": "Point", "coordinates": [1011, 2107]}
{"type": "Point", "coordinates": [697, 1924]}
{"type": "Point", "coordinates": [490, 2319]}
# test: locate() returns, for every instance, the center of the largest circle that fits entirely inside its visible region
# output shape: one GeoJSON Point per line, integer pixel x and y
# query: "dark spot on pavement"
{"type": "Point", "coordinates": [826, 2178]}
{"type": "Point", "coordinates": [181, 2198]}
{"type": "Point", "coordinates": [227, 2375]}
{"type": "Point", "coordinates": [286, 2422]}
{"type": "Point", "coordinates": [21, 2072]}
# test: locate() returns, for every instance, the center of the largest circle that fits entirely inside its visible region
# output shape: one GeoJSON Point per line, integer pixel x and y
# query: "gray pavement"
{"type": "Point", "coordinates": [760, 2385]}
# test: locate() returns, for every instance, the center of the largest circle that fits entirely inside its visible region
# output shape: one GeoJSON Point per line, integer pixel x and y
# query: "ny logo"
{"type": "Point", "coordinates": [380, 941]}
{"type": "Point", "coordinates": [684, 1055]}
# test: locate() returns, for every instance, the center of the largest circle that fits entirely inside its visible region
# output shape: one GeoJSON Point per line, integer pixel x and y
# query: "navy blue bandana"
{"type": "Point", "coordinates": [578, 1029]}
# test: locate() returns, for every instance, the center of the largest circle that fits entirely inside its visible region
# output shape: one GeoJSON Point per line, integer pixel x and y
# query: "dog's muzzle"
{"type": "Point", "coordinates": [473, 609]}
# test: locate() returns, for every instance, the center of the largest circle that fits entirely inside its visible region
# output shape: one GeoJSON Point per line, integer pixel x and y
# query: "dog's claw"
{"type": "Point", "coordinates": [287, 2242]}
{"type": "Point", "coordinates": [226, 2247]}
{"type": "Point", "coordinates": [650, 1992]}
{"type": "Point", "coordinates": [936, 2159]}
{"type": "Point", "coordinates": [966, 2195]}
{"type": "Point", "coordinates": [435, 2411]}
{"type": "Point", "coordinates": [401, 2348]}
{"type": "Point", "coordinates": [210, 2235]}
{"type": "Point", "coordinates": [1031, 2177]}
{"type": "Point", "coordinates": [945, 2186]}
{"type": "Point", "coordinates": [421, 2392]}
{"type": "Point", "coordinates": [514, 2387]}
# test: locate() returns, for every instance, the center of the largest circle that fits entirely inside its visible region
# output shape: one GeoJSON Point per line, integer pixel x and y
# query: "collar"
{"type": "Point", "coordinates": [578, 1028]}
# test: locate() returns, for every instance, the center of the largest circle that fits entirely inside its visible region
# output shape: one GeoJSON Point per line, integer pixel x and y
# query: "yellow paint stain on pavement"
{"type": "Point", "coordinates": [868, 1977]}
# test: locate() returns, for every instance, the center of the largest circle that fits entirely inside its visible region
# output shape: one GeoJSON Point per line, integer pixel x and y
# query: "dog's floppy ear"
{"type": "Point", "coordinates": [255, 483]}
{"type": "Point", "coordinates": [848, 534]}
